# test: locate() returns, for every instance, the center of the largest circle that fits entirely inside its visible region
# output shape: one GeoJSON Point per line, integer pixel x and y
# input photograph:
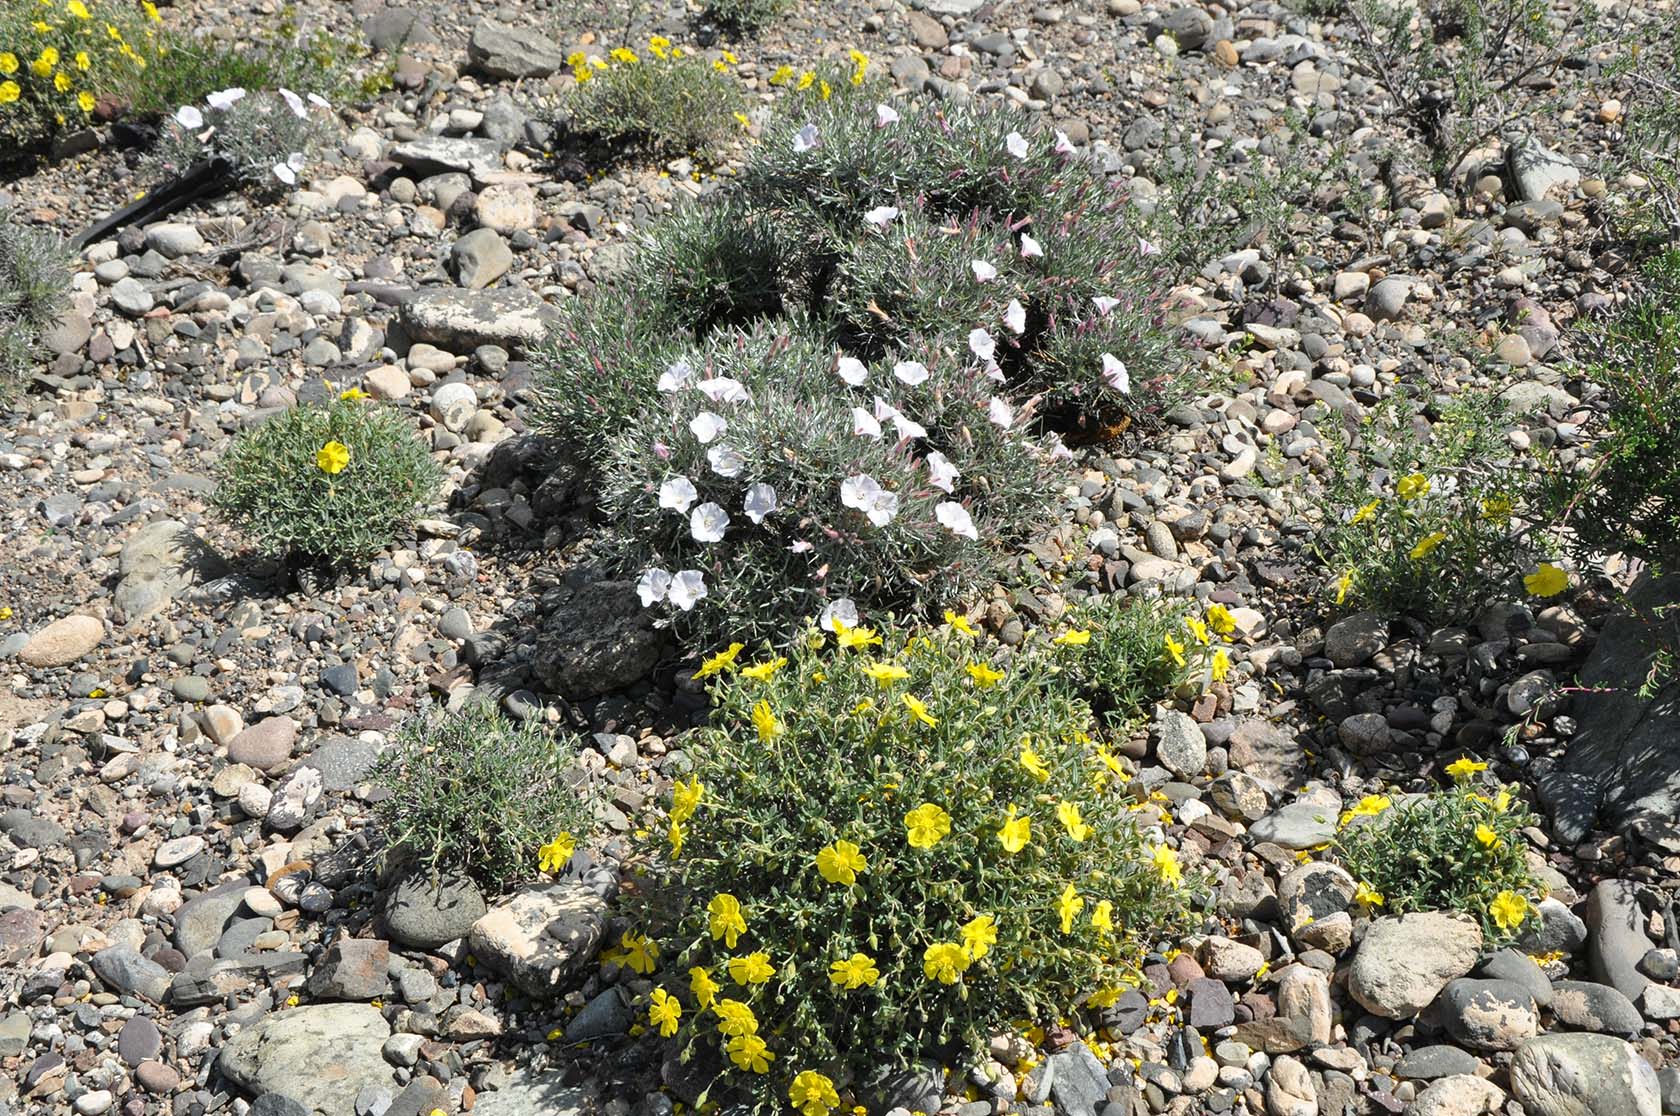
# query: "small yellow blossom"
{"type": "Point", "coordinates": [765, 721]}
{"type": "Point", "coordinates": [1412, 486]}
{"type": "Point", "coordinates": [854, 972]}
{"type": "Point", "coordinates": [1368, 807]}
{"type": "Point", "coordinates": [855, 639]}
{"type": "Point", "coordinates": [1366, 511]}
{"type": "Point", "coordinates": [945, 962]}
{"type": "Point", "coordinates": [1502, 801]}
{"type": "Point", "coordinates": [980, 934]}
{"type": "Point", "coordinates": [1464, 767]}
{"type": "Point", "coordinates": [735, 1018]}
{"type": "Point", "coordinates": [61, 82]}
{"type": "Point", "coordinates": [665, 1012]}
{"type": "Point", "coordinates": [1016, 832]}
{"type": "Point", "coordinates": [813, 1094]}
{"type": "Point", "coordinates": [1175, 650]}
{"type": "Point", "coordinates": [741, 119]}
{"type": "Point", "coordinates": [1073, 638]}
{"type": "Point", "coordinates": [640, 951]}
{"type": "Point", "coordinates": [1102, 917]}
{"type": "Point", "coordinates": [751, 1053]}
{"type": "Point", "coordinates": [1367, 896]}
{"type": "Point", "coordinates": [1343, 584]}
{"type": "Point", "coordinates": [1197, 629]}
{"type": "Point", "coordinates": [1488, 838]}
{"type": "Point", "coordinates": [926, 825]}
{"type": "Point", "coordinates": [623, 54]}
{"type": "Point", "coordinates": [805, 80]}
{"type": "Point", "coordinates": [1508, 910]}
{"type": "Point", "coordinates": [705, 989]}
{"type": "Point", "coordinates": [1068, 907]}
{"type": "Point", "coordinates": [725, 919]}
{"type": "Point", "coordinates": [1166, 863]}
{"type": "Point", "coordinates": [984, 676]}
{"type": "Point", "coordinates": [554, 856]}
{"type": "Point", "coordinates": [1220, 665]}
{"type": "Point", "coordinates": [754, 968]}
{"type": "Point", "coordinates": [1497, 509]}
{"type": "Point", "coordinates": [8, 63]}
{"type": "Point", "coordinates": [1547, 581]}
{"type": "Point", "coordinates": [660, 46]}
{"type": "Point", "coordinates": [840, 863]}
{"type": "Point", "coordinates": [685, 797]}
{"type": "Point", "coordinates": [763, 672]}
{"type": "Point", "coordinates": [78, 9]}
{"type": "Point", "coordinates": [919, 710]}
{"type": "Point", "coordinates": [353, 395]}
{"type": "Point", "coordinates": [332, 458]}
{"type": "Point", "coordinates": [1219, 618]}
{"type": "Point", "coordinates": [782, 75]}
{"type": "Point", "coordinates": [722, 661]}
{"type": "Point", "coordinates": [1033, 763]}
{"type": "Point", "coordinates": [1426, 545]}
{"type": "Point", "coordinates": [960, 622]}
{"type": "Point", "coordinates": [885, 674]}
{"type": "Point", "coordinates": [1068, 814]}
{"type": "Point", "coordinates": [9, 92]}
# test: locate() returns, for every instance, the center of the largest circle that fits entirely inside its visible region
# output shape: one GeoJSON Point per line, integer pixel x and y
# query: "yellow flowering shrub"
{"type": "Point", "coordinates": [58, 58]}
{"type": "Point", "coordinates": [883, 852]}
{"type": "Point", "coordinates": [659, 98]}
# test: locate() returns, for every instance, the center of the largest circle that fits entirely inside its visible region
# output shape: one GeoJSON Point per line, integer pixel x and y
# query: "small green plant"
{"type": "Point", "coordinates": [1452, 850]}
{"type": "Point", "coordinates": [266, 138]}
{"type": "Point", "coordinates": [665, 103]}
{"type": "Point", "coordinates": [472, 793]}
{"type": "Point", "coordinates": [891, 846]}
{"type": "Point", "coordinates": [327, 483]}
{"type": "Point", "coordinates": [1138, 651]}
{"type": "Point", "coordinates": [34, 288]}
{"type": "Point", "coordinates": [746, 15]}
{"type": "Point", "coordinates": [1433, 521]}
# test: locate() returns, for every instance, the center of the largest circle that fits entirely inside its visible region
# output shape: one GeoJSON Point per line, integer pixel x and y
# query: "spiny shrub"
{"type": "Point", "coordinates": [327, 483]}
{"type": "Point", "coordinates": [1434, 520]}
{"type": "Point", "coordinates": [878, 318]}
{"type": "Point", "coordinates": [669, 102]}
{"type": "Point", "coordinates": [34, 287]}
{"type": "Point", "coordinates": [890, 847]}
{"type": "Point", "coordinates": [266, 138]}
{"type": "Point", "coordinates": [60, 58]}
{"type": "Point", "coordinates": [1452, 850]}
{"type": "Point", "coordinates": [472, 793]}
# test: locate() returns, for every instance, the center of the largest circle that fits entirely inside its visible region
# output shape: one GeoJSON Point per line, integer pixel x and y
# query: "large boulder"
{"type": "Point", "coordinates": [1406, 960]}
{"type": "Point", "coordinates": [540, 936]}
{"type": "Point", "coordinates": [321, 1056]}
{"type": "Point", "coordinates": [1583, 1075]}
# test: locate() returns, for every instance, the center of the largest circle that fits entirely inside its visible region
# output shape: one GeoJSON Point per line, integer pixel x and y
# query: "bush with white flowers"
{"type": "Point", "coordinates": [265, 137]}
{"type": "Point", "coordinates": [843, 378]}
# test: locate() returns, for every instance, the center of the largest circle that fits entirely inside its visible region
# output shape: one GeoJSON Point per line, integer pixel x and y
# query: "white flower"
{"type": "Point", "coordinates": [687, 588]}
{"type": "Point", "coordinates": [1104, 304]}
{"type": "Point", "coordinates": [189, 118]}
{"type": "Point", "coordinates": [981, 344]}
{"type": "Point", "coordinates": [293, 102]}
{"type": "Point", "coordinates": [759, 502]}
{"type": "Point", "coordinates": [1064, 146]}
{"type": "Point", "coordinates": [862, 492]}
{"type": "Point", "coordinates": [653, 586]}
{"type": "Point", "coordinates": [910, 372]}
{"type": "Point", "coordinates": [881, 216]}
{"type": "Point", "coordinates": [955, 518]}
{"type": "Point", "coordinates": [1058, 448]}
{"type": "Point", "coordinates": [1017, 144]}
{"type": "Point", "coordinates": [806, 138]}
{"type": "Point", "coordinates": [903, 425]}
{"type": "Point", "coordinates": [865, 424]}
{"type": "Point", "coordinates": [1030, 247]}
{"type": "Point", "coordinates": [843, 610]}
{"type": "Point", "coordinates": [678, 493]}
{"type": "Point", "coordinates": [1147, 248]}
{"type": "Point", "coordinates": [726, 461]}
{"type": "Point", "coordinates": [1114, 371]}
{"type": "Point", "coordinates": [852, 370]}
{"type": "Point", "coordinates": [941, 473]}
{"type": "Point", "coordinates": [884, 115]}
{"type": "Point", "coordinates": [1000, 412]}
{"type": "Point", "coordinates": [706, 426]}
{"type": "Point", "coordinates": [801, 546]}
{"type": "Point", "coordinates": [224, 99]}
{"type": "Point", "coordinates": [1015, 317]}
{"type": "Point", "coordinates": [675, 376]}
{"type": "Point", "coordinates": [285, 172]}
{"type": "Point", "coordinates": [708, 522]}
{"type": "Point", "coordinates": [723, 389]}
{"type": "Point", "coordinates": [983, 271]}
{"type": "Point", "coordinates": [319, 101]}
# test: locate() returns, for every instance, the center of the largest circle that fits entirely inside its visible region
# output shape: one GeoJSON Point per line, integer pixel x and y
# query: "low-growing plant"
{"type": "Point", "coordinates": [473, 794]}
{"type": "Point", "coordinates": [1124, 654]}
{"type": "Point", "coordinates": [1434, 520]}
{"type": "Point", "coordinates": [746, 15]}
{"type": "Point", "coordinates": [326, 483]}
{"type": "Point", "coordinates": [60, 58]}
{"type": "Point", "coordinates": [890, 847]}
{"type": "Point", "coordinates": [1458, 849]}
{"type": "Point", "coordinates": [264, 137]}
{"type": "Point", "coordinates": [34, 291]}
{"type": "Point", "coordinates": [665, 102]}
{"type": "Point", "coordinates": [1650, 146]}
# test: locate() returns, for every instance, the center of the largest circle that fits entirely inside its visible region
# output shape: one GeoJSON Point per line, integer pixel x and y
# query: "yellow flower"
{"type": "Point", "coordinates": [665, 1012]}
{"type": "Point", "coordinates": [354, 395]}
{"type": "Point", "coordinates": [41, 67]}
{"type": "Point", "coordinates": [640, 952]}
{"type": "Point", "coordinates": [151, 11]}
{"type": "Point", "coordinates": [805, 80]}
{"type": "Point", "coordinates": [1102, 917]}
{"type": "Point", "coordinates": [1497, 509]}
{"type": "Point", "coordinates": [1508, 910]}
{"type": "Point", "coordinates": [1104, 996]}
{"type": "Point", "coordinates": [720, 662]}
{"type": "Point", "coordinates": [813, 1094]}
{"type": "Point", "coordinates": [1502, 801]}
{"type": "Point", "coordinates": [1219, 618]}
{"type": "Point", "coordinates": [822, 87]}
{"type": "Point", "coordinates": [854, 972]}
{"type": "Point", "coordinates": [554, 856]}
{"type": "Point", "coordinates": [764, 720]}
{"type": "Point", "coordinates": [860, 64]}
{"type": "Point", "coordinates": [1069, 906]}
{"type": "Point", "coordinates": [1068, 814]}
{"type": "Point", "coordinates": [945, 962]}
{"type": "Point", "coordinates": [1015, 834]}
{"type": "Point", "coordinates": [979, 934]}
{"type": "Point", "coordinates": [1074, 638]}
{"type": "Point", "coordinates": [332, 458]}
{"type": "Point", "coordinates": [735, 1018]}
{"type": "Point", "coordinates": [1367, 896]}
{"type": "Point", "coordinates": [1343, 584]}
{"type": "Point", "coordinates": [725, 919]}
{"type": "Point", "coordinates": [960, 622]}
{"type": "Point", "coordinates": [1175, 650]}
{"type": "Point", "coordinates": [8, 63]}
{"type": "Point", "coordinates": [577, 58]}
{"type": "Point", "coordinates": [919, 710]}
{"type": "Point", "coordinates": [1366, 511]}
{"type": "Point", "coordinates": [659, 45]}
{"type": "Point", "coordinates": [754, 968]}
{"type": "Point", "coordinates": [1426, 545]}
{"type": "Point", "coordinates": [1197, 629]}
{"type": "Point", "coordinates": [61, 82]}
{"type": "Point", "coordinates": [1464, 767]}
{"type": "Point", "coordinates": [782, 75]}
{"type": "Point", "coordinates": [623, 54]}
{"type": "Point", "coordinates": [1547, 581]}
{"type": "Point", "coordinates": [854, 638]}
{"type": "Point", "coordinates": [1166, 863]}
{"type": "Point", "coordinates": [840, 863]}
{"type": "Point", "coordinates": [927, 825]}
{"type": "Point", "coordinates": [749, 1052]}
{"type": "Point", "coordinates": [1488, 838]}
{"type": "Point", "coordinates": [9, 92]}
{"type": "Point", "coordinates": [763, 672]}
{"type": "Point", "coordinates": [729, 57]}
{"type": "Point", "coordinates": [1412, 486]}
{"type": "Point", "coordinates": [1368, 807]}
{"type": "Point", "coordinates": [984, 676]}
{"type": "Point", "coordinates": [1034, 763]}
{"type": "Point", "coordinates": [78, 9]}
{"type": "Point", "coordinates": [675, 834]}
{"type": "Point", "coordinates": [886, 673]}
{"type": "Point", "coordinates": [685, 798]}
{"type": "Point", "coordinates": [741, 119]}
{"type": "Point", "coordinates": [705, 989]}
{"type": "Point", "coordinates": [1219, 666]}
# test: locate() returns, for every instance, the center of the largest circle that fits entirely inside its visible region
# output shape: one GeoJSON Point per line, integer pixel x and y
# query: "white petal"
{"type": "Point", "coordinates": [983, 271]}
{"type": "Point", "coordinates": [224, 99]}
{"type": "Point", "coordinates": [905, 427]}
{"type": "Point", "coordinates": [865, 424]}
{"type": "Point", "coordinates": [881, 216]}
{"type": "Point", "coordinates": [1017, 144]}
{"type": "Point", "coordinates": [1000, 412]}
{"type": "Point", "coordinates": [1114, 372]}
{"type": "Point", "coordinates": [981, 344]}
{"type": "Point", "coordinates": [858, 491]}
{"type": "Point", "coordinates": [687, 588]}
{"type": "Point", "coordinates": [1104, 304]}
{"type": "Point", "coordinates": [188, 117]}
{"type": "Point", "coordinates": [293, 102]}
{"type": "Point", "coordinates": [843, 610]}
{"type": "Point", "coordinates": [653, 586]}
{"type": "Point", "coordinates": [1030, 247]}
{"type": "Point", "coordinates": [708, 522]}
{"type": "Point", "coordinates": [285, 173]}
{"type": "Point", "coordinates": [296, 160]}
{"type": "Point", "coordinates": [801, 546]}
{"type": "Point", "coordinates": [706, 426]}
{"type": "Point", "coordinates": [1015, 317]}
{"type": "Point", "coordinates": [1064, 146]}
{"type": "Point", "coordinates": [941, 473]}
{"type": "Point", "coordinates": [759, 502]}
{"type": "Point", "coordinates": [675, 376]}
{"type": "Point", "coordinates": [852, 370]}
{"type": "Point", "coordinates": [678, 494]}
{"type": "Point", "coordinates": [910, 372]}
{"type": "Point", "coordinates": [806, 138]}
{"type": "Point", "coordinates": [723, 389]}
{"type": "Point", "coordinates": [726, 461]}
{"type": "Point", "coordinates": [884, 115]}
{"type": "Point", "coordinates": [1147, 248]}
{"type": "Point", "coordinates": [955, 518]}
{"type": "Point", "coordinates": [319, 101]}
{"type": "Point", "coordinates": [882, 508]}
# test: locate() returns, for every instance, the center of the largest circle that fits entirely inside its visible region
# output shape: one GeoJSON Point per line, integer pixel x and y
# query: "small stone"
{"type": "Point", "coordinates": [1180, 744]}
{"type": "Point", "coordinates": [1351, 641]}
{"type": "Point", "coordinates": [63, 641]}
{"type": "Point", "coordinates": [480, 258]}
{"type": "Point", "coordinates": [265, 745]}
{"type": "Point", "coordinates": [1459, 1095]}
{"type": "Point", "coordinates": [1489, 1014]}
